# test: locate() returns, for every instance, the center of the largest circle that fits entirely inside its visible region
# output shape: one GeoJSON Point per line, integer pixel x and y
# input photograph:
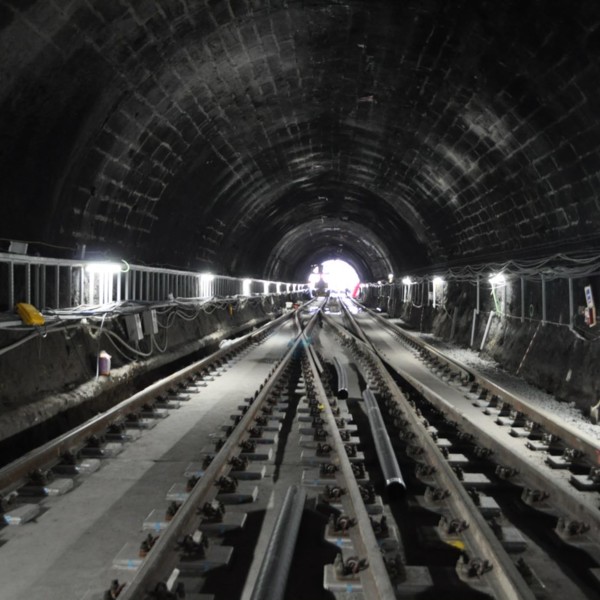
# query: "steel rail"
{"type": "Point", "coordinates": [504, 578]}
{"type": "Point", "coordinates": [163, 559]}
{"type": "Point", "coordinates": [272, 577]}
{"type": "Point", "coordinates": [14, 474]}
{"type": "Point", "coordinates": [562, 494]}
{"type": "Point", "coordinates": [465, 373]}
{"type": "Point", "coordinates": [375, 579]}
{"type": "Point", "coordinates": [383, 445]}
{"type": "Point", "coordinates": [577, 506]}
{"type": "Point", "coordinates": [569, 435]}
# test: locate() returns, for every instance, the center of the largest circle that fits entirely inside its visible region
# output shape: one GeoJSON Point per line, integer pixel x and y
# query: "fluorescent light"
{"type": "Point", "coordinates": [103, 267]}
{"type": "Point", "coordinates": [246, 287]}
{"type": "Point", "coordinates": [406, 281]}
{"type": "Point", "coordinates": [497, 279]}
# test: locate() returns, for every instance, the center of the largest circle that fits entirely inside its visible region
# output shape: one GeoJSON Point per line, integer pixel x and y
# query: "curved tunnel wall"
{"type": "Point", "coordinates": [202, 135]}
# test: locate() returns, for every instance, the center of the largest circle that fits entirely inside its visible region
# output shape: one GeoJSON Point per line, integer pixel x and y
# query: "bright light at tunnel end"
{"type": "Point", "coordinates": [337, 274]}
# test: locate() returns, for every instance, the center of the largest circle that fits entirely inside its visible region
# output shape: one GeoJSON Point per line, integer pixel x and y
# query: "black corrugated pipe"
{"type": "Point", "coordinates": [342, 379]}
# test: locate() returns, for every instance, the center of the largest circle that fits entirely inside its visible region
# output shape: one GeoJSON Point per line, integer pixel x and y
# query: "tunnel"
{"type": "Point", "coordinates": [246, 138]}
{"type": "Point", "coordinates": [254, 140]}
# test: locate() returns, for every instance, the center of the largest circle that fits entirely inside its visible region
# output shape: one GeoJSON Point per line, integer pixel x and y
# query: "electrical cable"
{"type": "Point", "coordinates": [34, 335]}
{"type": "Point", "coordinates": [39, 244]}
{"type": "Point", "coordinates": [156, 345]}
{"type": "Point", "coordinates": [180, 309]}
{"type": "Point", "coordinates": [112, 335]}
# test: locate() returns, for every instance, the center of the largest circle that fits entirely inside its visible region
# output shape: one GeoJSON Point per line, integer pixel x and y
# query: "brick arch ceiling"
{"type": "Point", "coordinates": [330, 238]}
{"type": "Point", "coordinates": [213, 134]}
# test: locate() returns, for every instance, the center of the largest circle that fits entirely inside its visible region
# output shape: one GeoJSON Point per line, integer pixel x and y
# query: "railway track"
{"type": "Point", "coordinates": [35, 487]}
{"type": "Point", "coordinates": [552, 467]}
{"type": "Point", "coordinates": [176, 547]}
{"type": "Point", "coordinates": [296, 464]}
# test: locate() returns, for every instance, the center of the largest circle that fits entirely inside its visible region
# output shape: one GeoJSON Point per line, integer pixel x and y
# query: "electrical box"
{"type": "Point", "coordinates": [18, 247]}
{"type": "Point", "coordinates": [150, 322]}
{"type": "Point", "coordinates": [590, 311]}
{"type": "Point", "coordinates": [134, 327]}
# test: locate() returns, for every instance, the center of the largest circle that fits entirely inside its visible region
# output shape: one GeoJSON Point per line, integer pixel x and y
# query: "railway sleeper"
{"type": "Point", "coordinates": [332, 496]}
{"type": "Point", "coordinates": [569, 458]}
{"type": "Point", "coordinates": [588, 482]}
{"type": "Point", "coordinates": [98, 447]}
{"type": "Point", "coordinates": [578, 534]}
{"type": "Point", "coordinates": [15, 513]}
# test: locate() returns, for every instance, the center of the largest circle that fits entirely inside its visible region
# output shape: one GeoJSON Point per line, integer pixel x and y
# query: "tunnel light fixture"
{"type": "Point", "coordinates": [103, 268]}
{"type": "Point", "coordinates": [206, 277]}
{"type": "Point", "coordinates": [391, 277]}
{"type": "Point", "coordinates": [437, 286]}
{"type": "Point", "coordinates": [497, 279]}
{"type": "Point", "coordinates": [406, 281]}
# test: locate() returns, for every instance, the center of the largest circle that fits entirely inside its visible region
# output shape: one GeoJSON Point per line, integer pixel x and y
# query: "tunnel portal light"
{"type": "Point", "coordinates": [406, 281]}
{"type": "Point", "coordinates": [497, 279]}
{"type": "Point", "coordinates": [337, 274]}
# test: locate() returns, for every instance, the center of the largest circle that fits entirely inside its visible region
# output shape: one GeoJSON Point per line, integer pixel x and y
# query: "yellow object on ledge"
{"type": "Point", "coordinates": [29, 314]}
